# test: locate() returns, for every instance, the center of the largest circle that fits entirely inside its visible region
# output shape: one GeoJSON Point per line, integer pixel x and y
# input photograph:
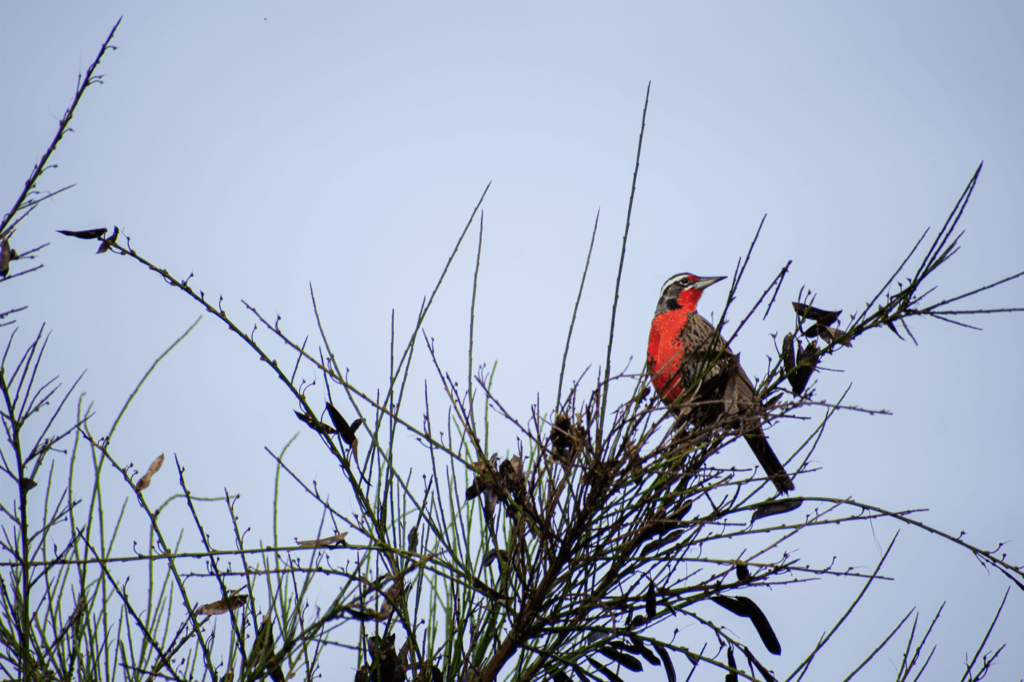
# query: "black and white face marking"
{"type": "Point", "coordinates": [675, 285]}
{"type": "Point", "coordinates": [669, 299]}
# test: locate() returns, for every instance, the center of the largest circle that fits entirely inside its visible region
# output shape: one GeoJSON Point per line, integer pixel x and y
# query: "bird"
{"type": "Point", "coordinates": [684, 348]}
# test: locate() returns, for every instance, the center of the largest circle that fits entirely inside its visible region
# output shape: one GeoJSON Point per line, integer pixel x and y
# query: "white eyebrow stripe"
{"type": "Point", "coordinates": [672, 280]}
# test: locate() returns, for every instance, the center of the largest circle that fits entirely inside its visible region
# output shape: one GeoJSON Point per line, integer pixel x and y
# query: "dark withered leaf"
{"type": "Point", "coordinates": [746, 608]}
{"type": "Point", "coordinates": [392, 598]}
{"type": "Point", "coordinates": [776, 507]}
{"type": "Point", "coordinates": [650, 601]}
{"type": "Point", "coordinates": [223, 606]}
{"type": "Point", "coordinates": [513, 478]}
{"type": "Point", "coordinates": [559, 676]}
{"type": "Point", "coordinates": [414, 536]}
{"type": "Point", "coordinates": [490, 502]}
{"type": "Point", "coordinates": [670, 671]}
{"type": "Point", "coordinates": [662, 526]}
{"type": "Point", "coordinates": [889, 323]}
{"type": "Point", "coordinates": [637, 621]}
{"type": "Point", "coordinates": [147, 478]}
{"type": "Point", "coordinates": [313, 422]}
{"type": "Point", "coordinates": [807, 362]}
{"type": "Point", "coordinates": [347, 432]}
{"type": "Point", "coordinates": [85, 234]}
{"type": "Point", "coordinates": [338, 539]}
{"type": "Point", "coordinates": [799, 365]}
{"type": "Point", "coordinates": [565, 439]}
{"type": "Point", "coordinates": [742, 572]}
{"type": "Point", "coordinates": [5, 257]}
{"type": "Point", "coordinates": [612, 677]}
{"type": "Point", "coordinates": [661, 542]}
{"type": "Point", "coordinates": [830, 334]}
{"type": "Point", "coordinates": [731, 676]}
{"type": "Point", "coordinates": [788, 356]}
{"type": "Point", "coordinates": [384, 664]}
{"type": "Point", "coordinates": [825, 317]}
{"type": "Point", "coordinates": [109, 241]}
{"type": "Point", "coordinates": [476, 488]}
{"type": "Point", "coordinates": [631, 646]}
{"type": "Point", "coordinates": [625, 660]}
{"type": "Point", "coordinates": [640, 648]}
{"type": "Point", "coordinates": [27, 484]}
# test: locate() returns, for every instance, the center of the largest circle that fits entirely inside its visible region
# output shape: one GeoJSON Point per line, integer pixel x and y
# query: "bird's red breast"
{"type": "Point", "coordinates": [666, 345]}
{"type": "Point", "coordinates": [665, 351]}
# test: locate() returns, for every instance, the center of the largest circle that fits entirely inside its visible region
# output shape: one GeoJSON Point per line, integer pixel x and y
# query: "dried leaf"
{"type": "Point", "coordinates": [338, 539]}
{"type": "Point", "coordinates": [661, 542]}
{"type": "Point", "coordinates": [513, 478]}
{"type": "Point", "coordinates": [670, 523]}
{"type": "Point", "coordinates": [313, 422]}
{"type": "Point", "coordinates": [830, 334]}
{"type": "Point", "coordinates": [85, 234]}
{"type": "Point", "coordinates": [347, 433]}
{"type": "Point", "coordinates": [490, 502]}
{"type": "Point", "coordinates": [413, 538]}
{"type": "Point", "coordinates": [825, 317]}
{"type": "Point", "coordinates": [223, 606]}
{"type": "Point", "coordinates": [5, 257]}
{"type": "Point", "coordinates": [565, 439]}
{"type": "Point", "coordinates": [109, 241]}
{"type": "Point", "coordinates": [27, 484]}
{"type": "Point", "coordinates": [625, 660]}
{"type": "Point", "coordinates": [788, 356]}
{"type": "Point", "coordinates": [477, 487]}
{"type": "Point", "coordinates": [612, 677]}
{"type": "Point", "coordinates": [799, 365]}
{"type": "Point", "coordinates": [776, 507]}
{"type": "Point", "coordinates": [147, 478]}
{"type": "Point", "coordinates": [889, 323]}
{"type": "Point", "coordinates": [650, 603]}
{"type": "Point", "coordinates": [731, 676]}
{"type": "Point", "coordinates": [640, 648]}
{"type": "Point", "coordinates": [742, 572]}
{"type": "Point", "coordinates": [383, 665]}
{"type": "Point", "coordinates": [478, 467]}
{"type": "Point", "coordinates": [392, 598]}
{"type": "Point", "coordinates": [670, 671]}
{"type": "Point", "coordinates": [746, 608]}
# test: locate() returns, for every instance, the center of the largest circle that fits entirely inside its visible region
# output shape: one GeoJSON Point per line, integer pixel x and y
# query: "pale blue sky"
{"type": "Point", "coordinates": [267, 146]}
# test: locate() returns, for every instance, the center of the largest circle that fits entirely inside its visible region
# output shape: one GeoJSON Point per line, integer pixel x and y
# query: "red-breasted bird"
{"type": "Point", "coordinates": [683, 346]}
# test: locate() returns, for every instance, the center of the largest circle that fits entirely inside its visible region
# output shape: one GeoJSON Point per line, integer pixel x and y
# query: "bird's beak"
{"type": "Point", "coordinates": [705, 282]}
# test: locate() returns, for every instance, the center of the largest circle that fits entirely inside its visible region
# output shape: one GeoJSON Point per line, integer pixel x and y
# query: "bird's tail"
{"type": "Point", "coordinates": [769, 462]}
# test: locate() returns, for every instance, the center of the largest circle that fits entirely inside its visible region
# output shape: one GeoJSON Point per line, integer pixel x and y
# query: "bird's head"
{"type": "Point", "coordinates": [682, 291]}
